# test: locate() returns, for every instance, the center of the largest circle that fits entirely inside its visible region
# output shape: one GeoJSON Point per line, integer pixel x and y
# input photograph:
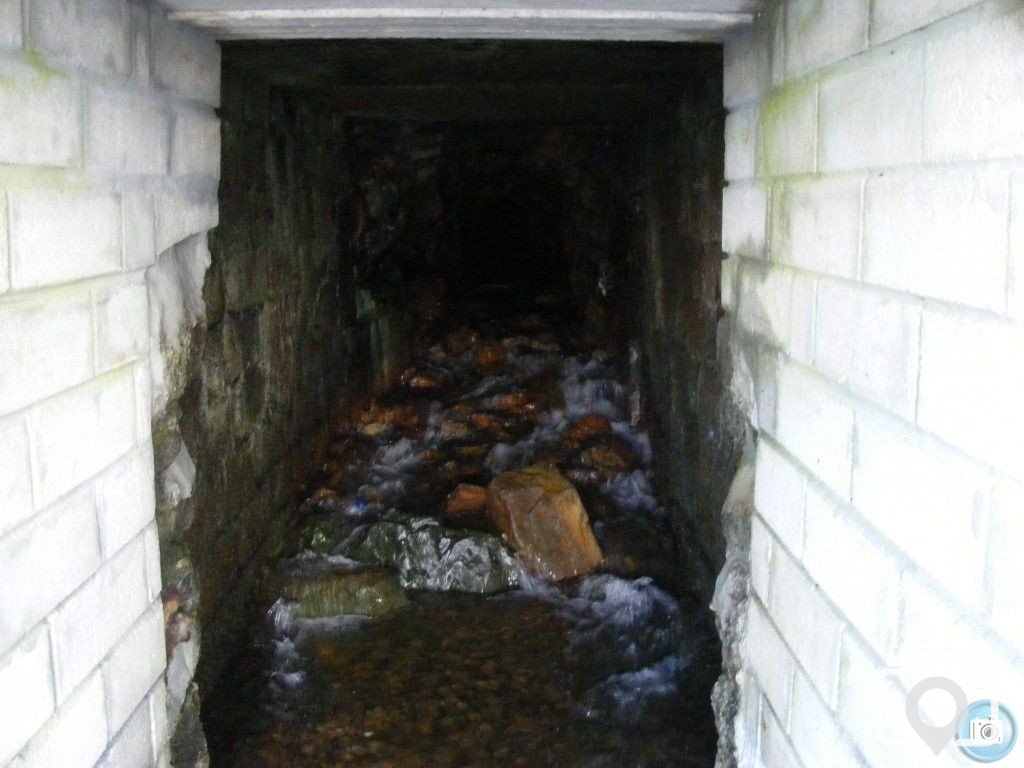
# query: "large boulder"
{"type": "Point", "coordinates": [540, 515]}
{"type": "Point", "coordinates": [371, 592]}
{"type": "Point", "coordinates": [430, 556]}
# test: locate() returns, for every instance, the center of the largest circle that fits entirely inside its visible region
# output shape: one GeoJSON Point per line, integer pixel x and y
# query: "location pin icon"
{"type": "Point", "coordinates": [936, 737]}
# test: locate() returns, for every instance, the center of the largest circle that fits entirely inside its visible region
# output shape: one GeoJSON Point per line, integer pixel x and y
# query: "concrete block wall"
{"type": "Point", "coordinates": [107, 157]}
{"type": "Point", "coordinates": [874, 226]}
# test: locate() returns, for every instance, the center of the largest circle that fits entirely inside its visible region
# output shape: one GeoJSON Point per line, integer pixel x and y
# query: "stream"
{"type": "Point", "coordinates": [402, 630]}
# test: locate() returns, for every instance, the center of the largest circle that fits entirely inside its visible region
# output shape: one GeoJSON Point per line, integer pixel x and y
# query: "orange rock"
{"type": "Point", "coordinates": [458, 342]}
{"type": "Point", "coordinates": [421, 380]}
{"type": "Point", "coordinates": [515, 402]}
{"type": "Point", "coordinates": [612, 455]}
{"type": "Point", "coordinates": [592, 425]}
{"type": "Point", "coordinates": [487, 357]}
{"type": "Point", "coordinates": [465, 500]}
{"type": "Point", "coordinates": [541, 517]}
{"type": "Point", "coordinates": [406, 415]}
{"type": "Point", "coordinates": [484, 422]}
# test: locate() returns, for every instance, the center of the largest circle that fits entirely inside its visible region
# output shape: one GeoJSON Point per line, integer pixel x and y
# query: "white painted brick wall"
{"type": "Point", "coordinates": [134, 666]}
{"type": "Point", "coordinates": [43, 561]}
{"type": "Point", "coordinates": [854, 102]}
{"type": "Point", "coordinates": [819, 32]}
{"type": "Point", "coordinates": [10, 23]}
{"type": "Point", "coordinates": [88, 113]}
{"type": "Point", "coordinates": [196, 144]}
{"type": "Point", "coordinates": [28, 670]}
{"type": "Point", "coordinates": [58, 237]}
{"type": "Point", "coordinates": [15, 474]}
{"type": "Point", "coordinates": [42, 124]}
{"type": "Point", "coordinates": [30, 331]}
{"type": "Point", "coordinates": [76, 736]}
{"type": "Point", "coordinates": [918, 227]}
{"type": "Point", "coordinates": [890, 479]}
{"type": "Point", "coordinates": [815, 225]}
{"type": "Point", "coordinates": [125, 132]}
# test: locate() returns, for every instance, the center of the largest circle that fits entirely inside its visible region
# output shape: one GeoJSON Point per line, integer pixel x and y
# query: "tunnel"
{"type": "Point", "coordinates": [518, 383]}
{"type": "Point", "coordinates": [387, 210]}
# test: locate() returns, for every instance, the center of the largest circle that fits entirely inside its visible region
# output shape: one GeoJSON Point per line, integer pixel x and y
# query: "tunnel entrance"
{"type": "Point", "coordinates": [440, 262]}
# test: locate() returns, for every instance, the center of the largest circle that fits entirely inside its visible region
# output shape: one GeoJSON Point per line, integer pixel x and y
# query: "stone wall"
{"type": "Point", "coordinates": [874, 224]}
{"type": "Point", "coordinates": [699, 433]}
{"type": "Point", "coordinates": [106, 161]}
{"type": "Point", "coordinates": [283, 336]}
{"type": "Point", "coordinates": [677, 257]}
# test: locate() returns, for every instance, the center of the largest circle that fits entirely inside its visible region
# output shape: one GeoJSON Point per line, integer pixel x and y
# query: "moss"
{"type": "Point", "coordinates": [779, 114]}
{"type": "Point", "coordinates": [37, 177]}
{"type": "Point", "coordinates": [38, 62]}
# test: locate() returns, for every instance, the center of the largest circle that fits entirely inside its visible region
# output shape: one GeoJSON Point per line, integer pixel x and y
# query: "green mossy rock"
{"type": "Point", "coordinates": [372, 593]}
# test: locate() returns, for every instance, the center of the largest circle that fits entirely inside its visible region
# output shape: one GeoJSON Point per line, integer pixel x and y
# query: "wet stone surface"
{"type": "Point", "coordinates": [482, 662]}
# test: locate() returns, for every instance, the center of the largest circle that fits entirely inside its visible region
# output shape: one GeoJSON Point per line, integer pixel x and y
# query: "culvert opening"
{"type": "Point", "coordinates": [456, 408]}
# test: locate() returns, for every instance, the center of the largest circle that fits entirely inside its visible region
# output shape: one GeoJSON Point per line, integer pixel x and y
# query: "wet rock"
{"type": "Point", "coordinates": [375, 430]}
{"type": "Point", "coordinates": [454, 430]}
{"type": "Point", "coordinates": [405, 416]}
{"type": "Point", "coordinates": [465, 500]}
{"type": "Point", "coordinates": [460, 341]}
{"type": "Point", "coordinates": [590, 426]}
{"type": "Point", "coordinates": [372, 593]}
{"type": "Point", "coordinates": [423, 381]}
{"type": "Point", "coordinates": [530, 343]}
{"type": "Point", "coordinates": [431, 557]}
{"type": "Point", "coordinates": [581, 476]}
{"type": "Point", "coordinates": [466, 507]}
{"type": "Point", "coordinates": [321, 534]}
{"type": "Point", "coordinates": [489, 357]}
{"type": "Point", "coordinates": [611, 455]}
{"type": "Point", "coordinates": [515, 402]}
{"type": "Point", "coordinates": [541, 516]}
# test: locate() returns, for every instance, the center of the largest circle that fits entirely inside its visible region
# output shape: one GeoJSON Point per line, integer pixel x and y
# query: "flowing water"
{"type": "Point", "coordinates": [610, 669]}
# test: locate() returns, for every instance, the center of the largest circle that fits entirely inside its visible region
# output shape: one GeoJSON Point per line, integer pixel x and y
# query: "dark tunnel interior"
{"type": "Point", "coordinates": [438, 264]}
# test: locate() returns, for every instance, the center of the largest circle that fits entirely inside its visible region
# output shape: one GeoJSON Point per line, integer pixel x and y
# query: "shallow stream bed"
{"type": "Point", "coordinates": [456, 654]}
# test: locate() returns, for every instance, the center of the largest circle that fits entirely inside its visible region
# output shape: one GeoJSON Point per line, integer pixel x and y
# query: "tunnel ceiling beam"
{"type": "Point", "coordinates": [653, 20]}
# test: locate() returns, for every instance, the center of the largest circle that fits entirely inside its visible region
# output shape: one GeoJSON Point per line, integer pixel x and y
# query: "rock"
{"type": "Point", "coordinates": [528, 342]}
{"type": "Point", "coordinates": [460, 341]}
{"type": "Point", "coordinates": [375, 429]}
{"type": "Point", "coordinates": [454, 430]}
{"type": "Point", "coordinates": [466, 499]}
{"type": "Point", "coordinates": [611, 455]}
{"type": "Point", "coordinates": [429, 556]}
{"type": "Point", "coordinates": [514, 402]}
{"type": "Point", "coordinates": [489, 357]}
{"type": "Point", "coordinates": [542, 518]}
{"type": "Point", "coordinates": [372, 592]}
{"type": "Point", "coordinates": [466, 507]}
{"type": "Point", "coordinates": [421, 381]}
{"type": "Point", "coordinates": [590, 426]}
{"type": "Point", "coordinates": [322, 534]}
{"type": "Point", "coordinates": [406, 416]}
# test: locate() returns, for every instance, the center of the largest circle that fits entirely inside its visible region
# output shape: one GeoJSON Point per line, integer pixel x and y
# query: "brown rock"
{"type": "Point", "coordinates": [611, 455]}
{"type": "Point", "coordinates": [590, 426]}
{"type": "Point", "coordinates": [542, 518]}
{"type": "Point", "coordinates": [406, 416]}
{"type": "Point", "coordinates": [466, 498]}
{"type": "Point", "coordinates": [515, 402]}
{"type": "Point", "coordinates": [488, 357]}
{"type": "Point", "coordinates": [454, 430]}
{"type": "Point", "coordinates": [416, 379]}
{"type": "Point", "coordinates": [460, 341]}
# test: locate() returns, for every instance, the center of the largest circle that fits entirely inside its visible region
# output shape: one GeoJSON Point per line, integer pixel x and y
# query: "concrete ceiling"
{"type": "Point", "coordinates": [485, 81]}
{"type": "Point", "coordinates": [624, 20]}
